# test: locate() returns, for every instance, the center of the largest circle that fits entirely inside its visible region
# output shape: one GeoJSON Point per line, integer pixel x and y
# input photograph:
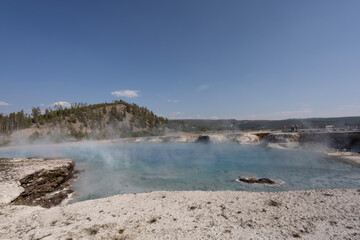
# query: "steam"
{"type": "Point", "coordinates": [30, 137]}
{"type": "Point", "coordinates": [119, 167]}
{"type": "Point", "coordinates": [116, 166]}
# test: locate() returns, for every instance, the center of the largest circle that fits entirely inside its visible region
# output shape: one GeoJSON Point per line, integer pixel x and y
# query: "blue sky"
{"type": "Point", "coordinates": [184, 59]}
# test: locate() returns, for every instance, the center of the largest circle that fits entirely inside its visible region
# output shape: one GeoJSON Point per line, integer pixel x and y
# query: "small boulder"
{"type": "Point", "coordinates": [266, 180]}
{"type": "Point", "coordinates": [256, 180]}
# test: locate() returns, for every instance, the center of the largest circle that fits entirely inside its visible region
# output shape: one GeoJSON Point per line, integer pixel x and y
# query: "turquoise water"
{"type": "Point", "coordinates": [133, 168]}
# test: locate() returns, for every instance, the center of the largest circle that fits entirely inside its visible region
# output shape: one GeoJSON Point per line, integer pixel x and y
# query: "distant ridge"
{"type": "Point", "coordinates": [232, 124]}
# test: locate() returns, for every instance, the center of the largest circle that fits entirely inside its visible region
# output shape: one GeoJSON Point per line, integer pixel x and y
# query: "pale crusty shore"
{"type": "Point", "coordinates": [315, 214]}
{"type": "Point", "coordinates": [347, 156]}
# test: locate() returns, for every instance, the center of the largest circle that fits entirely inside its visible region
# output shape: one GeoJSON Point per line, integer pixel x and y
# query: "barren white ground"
{"type": "Point", "coordinates": [321, 214]}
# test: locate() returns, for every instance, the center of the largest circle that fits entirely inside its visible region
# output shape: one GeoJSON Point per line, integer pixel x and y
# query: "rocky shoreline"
{"type": "Point", "coordinates": [35, 181]}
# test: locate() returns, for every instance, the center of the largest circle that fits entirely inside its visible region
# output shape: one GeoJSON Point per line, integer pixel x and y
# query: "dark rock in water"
{"type": "Point", "coordinates": [248, 179]}
{"type": "Point", "coordinates": [266, 180]}
{"type": "Point", "coordinates": [256, 180]}
{"type": "Point", "coordinates": [203, 139]}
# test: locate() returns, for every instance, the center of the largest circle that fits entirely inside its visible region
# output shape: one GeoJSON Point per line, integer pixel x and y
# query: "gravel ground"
{"type": "Point", "coordinates": [315, 214]}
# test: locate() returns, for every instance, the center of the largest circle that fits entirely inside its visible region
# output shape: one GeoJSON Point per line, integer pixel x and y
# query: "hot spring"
{"type": "Point", "coordinates": [112, 169]}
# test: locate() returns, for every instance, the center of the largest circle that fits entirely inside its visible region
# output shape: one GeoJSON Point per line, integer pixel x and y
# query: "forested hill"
{"type": "Point", "coordinates": [117, 119]}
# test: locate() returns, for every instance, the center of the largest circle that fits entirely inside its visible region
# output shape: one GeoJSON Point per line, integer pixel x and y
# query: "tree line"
{"type": "Point", "coordinates": [15, 121]}
{"type": "Point", "coordinates": [87, 115]}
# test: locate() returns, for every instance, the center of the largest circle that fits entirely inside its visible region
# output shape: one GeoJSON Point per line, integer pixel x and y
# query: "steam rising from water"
{"type": "Point", "coordinates": [128, 168]}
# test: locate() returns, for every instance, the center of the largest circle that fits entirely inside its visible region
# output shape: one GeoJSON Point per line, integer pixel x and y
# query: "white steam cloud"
{"type": "Point", "coordinates": [126, 93]}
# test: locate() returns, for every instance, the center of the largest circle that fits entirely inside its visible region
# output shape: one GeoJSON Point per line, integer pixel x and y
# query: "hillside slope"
{"type": "Point", "coordinates": [99, 121]}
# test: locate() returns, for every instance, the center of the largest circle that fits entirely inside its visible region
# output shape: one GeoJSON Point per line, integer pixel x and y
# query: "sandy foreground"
{"type": "Point", "coordinates": [321, 214]}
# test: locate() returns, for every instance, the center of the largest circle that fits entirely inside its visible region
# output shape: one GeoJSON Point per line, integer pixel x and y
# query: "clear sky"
{"type": "Point", "coordinates": [184, 59]}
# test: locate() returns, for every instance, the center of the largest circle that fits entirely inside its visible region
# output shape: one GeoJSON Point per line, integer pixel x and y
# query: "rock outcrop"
{"type": "Point", "coordinates": [348, 141]}
{"type": "Point", "coordinates": [35, 181]}
{"type": "Point", "coordinates": [256, 180]}
{"type": "Point", "coordinates": [46, 188]}
{"type": "Point", "coordinates": [203, 139]}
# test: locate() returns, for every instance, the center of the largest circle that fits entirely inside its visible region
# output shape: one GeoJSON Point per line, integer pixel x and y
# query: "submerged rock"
{"type": "Point", "coordinates": [256, 180]}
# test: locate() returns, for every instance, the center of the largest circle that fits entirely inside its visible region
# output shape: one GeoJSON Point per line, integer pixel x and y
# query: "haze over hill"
{"type": "Point", "coordinates": [121, 119]}
{"type": "Point", "coordinates": [97, 121]}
